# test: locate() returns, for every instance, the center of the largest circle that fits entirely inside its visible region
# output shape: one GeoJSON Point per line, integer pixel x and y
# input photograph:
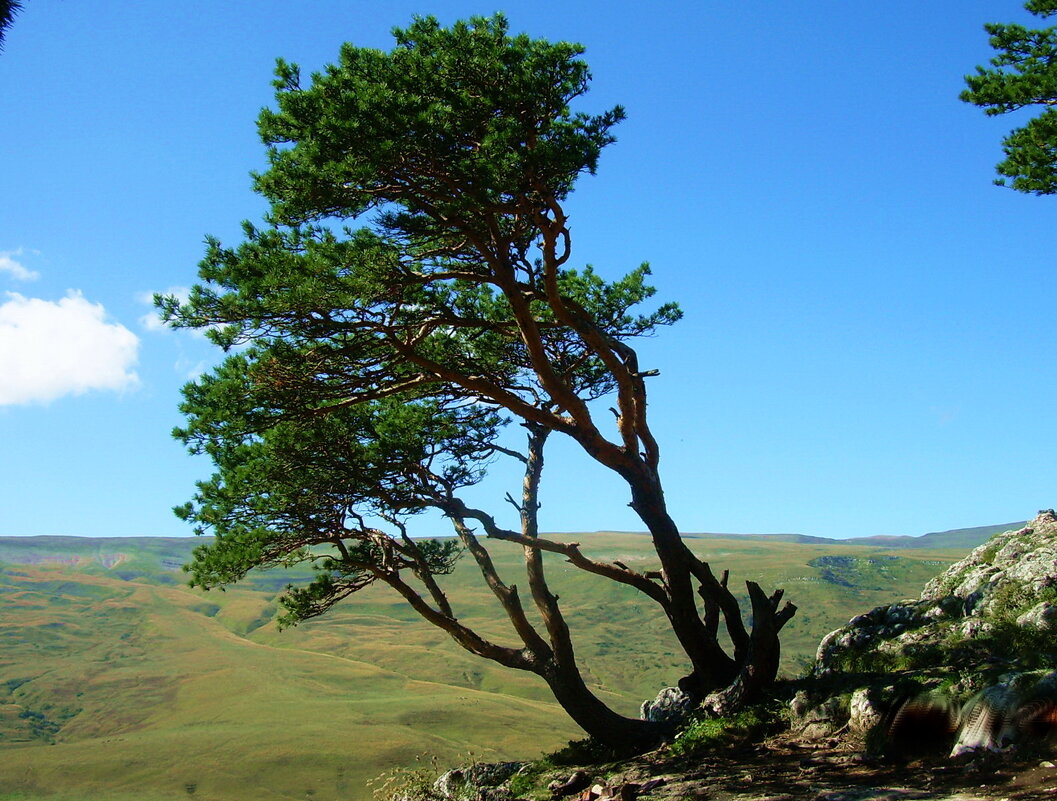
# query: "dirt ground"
{"type": "Point", "coordinates": [783, 769]}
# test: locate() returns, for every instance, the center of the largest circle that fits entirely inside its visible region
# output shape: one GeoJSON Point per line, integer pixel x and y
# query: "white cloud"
{"type": "Point", "coordinates": [49, 349]}
{"type": "Point", "coordinates": [16, 269]}
{"type": "Point", "coordinates": [190, 369]}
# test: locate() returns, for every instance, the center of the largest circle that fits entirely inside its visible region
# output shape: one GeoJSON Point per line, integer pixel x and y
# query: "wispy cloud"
{"type": "Point", "coordinates": [50, 349]}
{"type": "Point", "coordinates": [191, 369]}
{"type": "Point", "coordinates": [151, 321]}
{"type": "Point", "coordinates": [10, 265]}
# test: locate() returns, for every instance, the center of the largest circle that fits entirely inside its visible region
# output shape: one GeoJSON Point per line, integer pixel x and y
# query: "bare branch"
{"type": "Point", "coordinates": [463, 635]}
{"type": "Point", "coordinates": [571, 551]}
{"type": "Point", "coordinates": [507, 595]}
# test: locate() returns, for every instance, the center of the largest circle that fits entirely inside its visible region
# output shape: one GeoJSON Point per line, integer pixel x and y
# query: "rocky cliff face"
{"type": "Point", "coordinates": [980, 644]}
{"type": "Point", "coordinates": [997, 608]}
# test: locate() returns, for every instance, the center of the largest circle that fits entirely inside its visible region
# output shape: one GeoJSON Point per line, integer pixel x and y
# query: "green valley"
{"type": "Point", "coordinates": [119, 682]}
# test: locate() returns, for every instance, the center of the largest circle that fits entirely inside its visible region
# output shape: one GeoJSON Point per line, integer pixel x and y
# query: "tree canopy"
{"type": "Point", "coordinates": [8, 10]}
{"type": "Point", "coordinates": [410, 295]}
{"type": "Point", "coordinates": [1023, 74]}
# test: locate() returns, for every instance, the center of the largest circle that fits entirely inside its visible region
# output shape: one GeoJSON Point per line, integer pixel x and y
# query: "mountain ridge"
{"type": "Point", "coordinates": [950, 538]}
{"type": "Point", "coordinates": [974, 533]}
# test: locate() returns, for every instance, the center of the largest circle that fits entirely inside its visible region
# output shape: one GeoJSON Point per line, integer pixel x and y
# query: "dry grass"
{"type": "Point", "coordinates": [117, 682]}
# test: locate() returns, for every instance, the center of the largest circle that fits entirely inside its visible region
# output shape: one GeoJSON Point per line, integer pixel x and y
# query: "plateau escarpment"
{"type": "Point", "coordinates": [993, 610]}
{"type": "Point", "coordinates": [975, 653]}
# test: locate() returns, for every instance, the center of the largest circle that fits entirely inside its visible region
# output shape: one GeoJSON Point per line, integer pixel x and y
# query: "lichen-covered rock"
{"type": "Point", "coordinates": [864, 713]}
{"type": "Point", "coordinates": [997, 606]}
{"type": "Point", "coordinates": [482, 781]}
{"type": "Point", "coordinates": [816, 719]}
{"type": "Point", "coordinates": [671, 705]}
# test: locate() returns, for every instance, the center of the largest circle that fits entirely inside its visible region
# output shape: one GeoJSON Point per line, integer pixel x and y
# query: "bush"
{"type": "Point", "coordinates": [708, 733]}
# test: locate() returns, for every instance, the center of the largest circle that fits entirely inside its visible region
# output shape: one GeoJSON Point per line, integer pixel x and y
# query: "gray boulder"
{"type": "Point", "coordinates": [671, 705]}
{"type": "Point", "coordinates": [993, 607]}
{"type": "Point", "coordinates": [482, 781]}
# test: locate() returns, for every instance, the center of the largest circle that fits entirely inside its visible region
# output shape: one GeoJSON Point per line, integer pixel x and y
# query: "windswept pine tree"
{"type": "Point", "coordinates": [1022, 75]}
{"type": "Point", "coordinates": [410, 294]}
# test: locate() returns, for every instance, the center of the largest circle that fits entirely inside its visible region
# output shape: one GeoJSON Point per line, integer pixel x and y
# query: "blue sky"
{"type": "Point", "coordinates": [869, 339]}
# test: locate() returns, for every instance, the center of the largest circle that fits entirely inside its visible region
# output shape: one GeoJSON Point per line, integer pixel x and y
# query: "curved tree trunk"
{"type": "Point", "coordinates": [725, 683]}
{"type": "Point", "coordinates": [597, 719]}
{"type": "Point", "coordinates": [760, 667]}
{"type": "Point", "coordinates": [711, 666]}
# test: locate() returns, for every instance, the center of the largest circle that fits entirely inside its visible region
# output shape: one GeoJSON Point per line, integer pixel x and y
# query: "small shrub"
{"type": "Point", "coordinates": [1011, 599]}
{"type": "Point", "coordinates": [529, 781]}
{"type": "Point", "coordinates": [405, 783]}
{"type": "Point", "coordinates": [862, 660]}
{"type": "Point", "coordinates": [707, 733]}
{"type": "Point", "coordinates": [584, 752]}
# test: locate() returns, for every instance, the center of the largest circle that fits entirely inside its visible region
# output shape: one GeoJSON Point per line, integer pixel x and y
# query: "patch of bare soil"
{"type": "Point", "coordinates": [784, 768]}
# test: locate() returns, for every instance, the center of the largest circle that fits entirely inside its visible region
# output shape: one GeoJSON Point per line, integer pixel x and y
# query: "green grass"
{"type": "Point", "coordinates": [706, 734]}
{"type": "Point", "coordinates": [118, 682]}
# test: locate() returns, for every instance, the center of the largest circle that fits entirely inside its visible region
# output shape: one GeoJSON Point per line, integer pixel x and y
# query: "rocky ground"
{"type": "Point", "coordinates": [789, 766]}
{"type": "Point", "coordinates": [785, 768]}
{"type": "Point", "coordinates": [949, 696]}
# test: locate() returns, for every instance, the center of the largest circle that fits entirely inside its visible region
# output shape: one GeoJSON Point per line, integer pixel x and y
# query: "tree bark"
{"type": "Point", "coordinates": [597, 719]}
{"type": "Point", "coordinates": [760, 667]}
{"type": "Point", "coordinates": [711, 666]}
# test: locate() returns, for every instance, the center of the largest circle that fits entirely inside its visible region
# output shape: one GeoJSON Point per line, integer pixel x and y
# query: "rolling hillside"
{"type": "Point", "coordinates": [119, 682]}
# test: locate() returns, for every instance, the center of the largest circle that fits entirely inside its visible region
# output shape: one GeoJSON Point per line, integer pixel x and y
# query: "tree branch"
{"type": "Point", "coordinates": [570, 551]}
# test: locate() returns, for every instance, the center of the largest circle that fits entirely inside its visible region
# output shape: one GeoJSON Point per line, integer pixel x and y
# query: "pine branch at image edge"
{"type": "Point", "coordinates": [409, 297]}
{"type": "Point", "coordinates": [1022, 75]}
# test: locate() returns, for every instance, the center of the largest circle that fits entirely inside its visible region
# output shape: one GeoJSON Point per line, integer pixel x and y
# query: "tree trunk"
{"type": "Point", "coordinates": [629, 735]}
{"type": "Point", "coordinates": [760, 667]}
{"type": "Point", "coordinates": [724, 684]}
{"type": "Point", "coordinates": [712, 667]}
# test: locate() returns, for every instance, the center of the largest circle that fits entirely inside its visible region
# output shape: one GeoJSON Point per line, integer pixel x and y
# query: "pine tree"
{"type": "Point", "coordinates": [8, 10]}
{"type": "Point", "coordinates": [1023, 74]}
{"type": "Point", "coordinates": [410, 296]}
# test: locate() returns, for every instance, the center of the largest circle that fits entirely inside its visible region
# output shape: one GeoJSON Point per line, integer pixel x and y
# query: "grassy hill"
{"type": "Point", "coordinates": [119, 682]}
{"type": "Point", "coordinates": [965, 538]}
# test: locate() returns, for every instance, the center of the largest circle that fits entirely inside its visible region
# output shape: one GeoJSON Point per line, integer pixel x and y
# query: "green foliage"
{"type": "Point", "coordinates": [378, 363]}
{"type": "Point", "coordinates": [989, 553]}
{"type": "Point", "coordinates": [532, 779]}
{"type": "Point", "coordinates": [1014, 598]}
{"type": "Point", "coordinates": [703, 733]}
{"type": "Point", "coordinates": [484, 109]}
{"type": "Point", "coordinates": [991, 651]}
{"type": "Point", "coordinates": [1024, 74]}
{"type": "Point", "coordinates": [291, 487]}
{"type": "Point", "coordinates": [526, 782]}
{"type": "Point", "coordinates": [860, 660]}
{"type": "Point", "coordinates": [587, 751]}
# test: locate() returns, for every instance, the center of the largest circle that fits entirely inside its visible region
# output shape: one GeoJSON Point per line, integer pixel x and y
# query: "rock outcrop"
{"type": "Point", "coordinates": [672, 705]}
{"type": "Point", "coordinates": [988, 609]}
{"type": "Point", "coordinates": [979, 646]}
{"type": "Point", "coordinates": [482, 781]}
